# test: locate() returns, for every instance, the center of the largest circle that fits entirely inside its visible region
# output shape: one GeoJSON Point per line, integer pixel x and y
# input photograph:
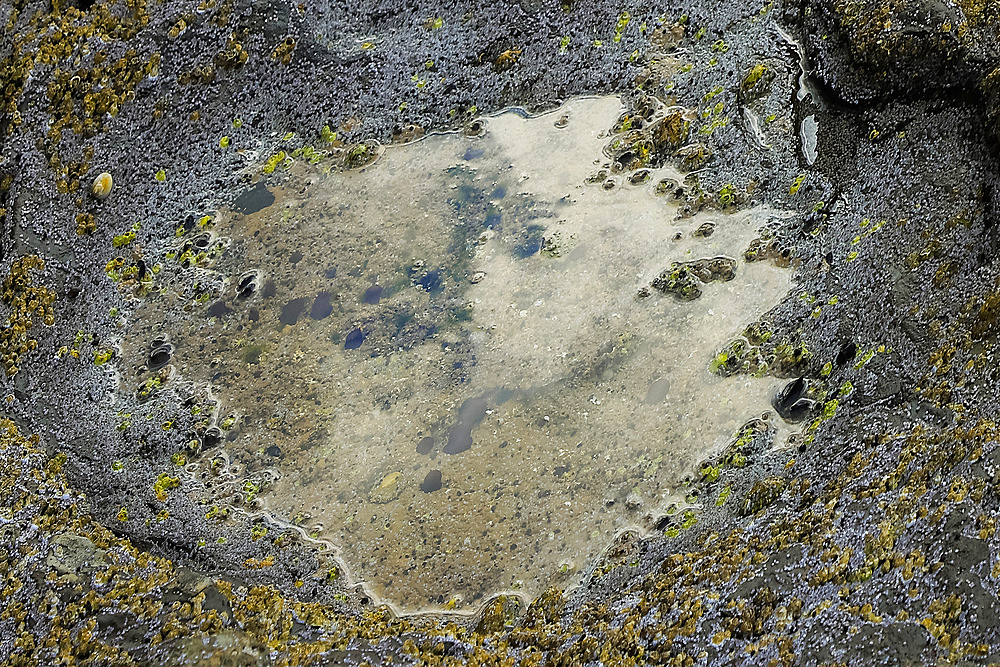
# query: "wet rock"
{"type": "Point", "coordinates": [425, 446]}
{"type": "Point", "coordinates": [762, 494]}
{"type": "Point", "coordinates": [670, 133]}
{"type": "Point", "coordinates": [667, 37]}
{"type": "Point", "coordinates": [432, 482]}
{"type": "Point", "coordinates": [212, 438]}
{"type": "Point", "coordinates": [847, 353]}
{"type": "Point", "coordinates": [75, 555]}
{"type": "Point", "coordinates": [402, 134]}
{"type": "Point", "coordinates": [225, 648]}
{"type": "Point", "coordinates": [292, 310]}
{"type": "Point", "coordinates": [666, 186]}
{"type": "Point", "coordinates": [191, 582]}
{"type": "Point", "coordinates": [757, 82]}
{"type": "Point", "coordinates": [372, 295]}
{"type": "Point", "coordinates": [639, 177]}
{"type": "Point", "coordinates": [694, 156]}
{"type": "Point", "coordinates": [704, 230]}
{"type": "Point", "coordinates": [873, 50]}
{"type": "Point", "coordinates": [321, 307]}
{"type": "Point", "coordinates": [354, 339]}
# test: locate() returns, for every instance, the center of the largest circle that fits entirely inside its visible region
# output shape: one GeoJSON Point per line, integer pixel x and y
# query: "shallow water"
{"type": "Point", "coordinates": [440, 363]}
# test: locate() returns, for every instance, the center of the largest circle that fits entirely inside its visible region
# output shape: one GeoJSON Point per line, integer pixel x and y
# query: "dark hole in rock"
{"type": "Point", "coordinates": [425, 446]}
{"type": "Point", "coordinates": [372, 295]}
{"type": "Point", "coordinates": [212, 437]}
{"type": "Point", "coordinates": [253, 200]}
{"type": "Point", "coordinates": [354, 339]}
{"type": "Point", "coordinates": [790, 402]}
{"type": "Point", "coordinates": [160, 357]}
{"type": "Point", "coordinates": [202, 241]}
{"type": "Point", "coordinates": [219, 309]}
{"type": "Point", "coordinates": [159, 341]}
{"type": "Point", "coordinates": [247, 286]}
{"type": "Point", "coordinates": [432, 482]}
{"type": "Point", "coordinates": [321, 307]}
{"type": "Point", "coordinates": [141, 266]}
{"type": "Point", "coordinates": [291, 311]}
{"type": "Point", "coordinates": [273, 450]}
{"type": "Point", "coordinates": [847, 352]}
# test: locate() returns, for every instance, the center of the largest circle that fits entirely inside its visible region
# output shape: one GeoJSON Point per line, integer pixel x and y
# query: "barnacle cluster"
{"type": "Point", "coordinates": [89, 81]}
{"type": "Point", "coordinates": [26, 302]}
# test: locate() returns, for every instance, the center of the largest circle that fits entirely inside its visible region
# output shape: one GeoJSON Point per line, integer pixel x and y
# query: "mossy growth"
{"type": "Point", "coordinates": [762, 494]}
{"type": "Point", "coordinates": [121, 240]}
{"type": "Point", "coordinates": [278, 159]}
{"type": "Point", "coordinates": [745, 354]}
{"type": "Point", "coordinates": [683, 279]}
{"type": "Point", "coordinates": [163, 484]}
{"type": "Point", "coordinates": [727, 196]}
{"type": "Point", "coordinates": [987, 320]}
{"type": "Point", "coordinates": [499, 613]}
{"type": "Point", "coordinates": [757, 81]}
{"type": "Point", "coordinates": [360, 155]}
